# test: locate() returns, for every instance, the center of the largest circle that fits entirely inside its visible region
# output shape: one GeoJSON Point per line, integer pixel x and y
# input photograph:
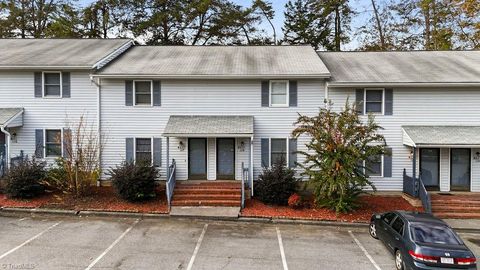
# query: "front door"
{"type": "Point", "coordinates": [2, 144]}
{"type": "Point", "coordinates": [460, 169]}
{"type": "Point", "coordinates": [226, 159]}
{"type": "Point", "coordinates": [197, 158]}
{"type": "Point", "coordinates": [430, 167]}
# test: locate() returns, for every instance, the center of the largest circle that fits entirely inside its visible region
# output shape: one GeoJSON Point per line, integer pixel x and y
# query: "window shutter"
{"type": "Point", "coordinates": [387, 163]}
{"type": "Point", "coordinates": [265, 152]}
{"type": "Point", "coordinates": [293, 93]}
{"type": "Point", "coordinates": [265, 94]}
{"type": "Point", "coordinates": [129, 155]}
{"type": "Point", "coordinates": [128, 93]}
{"type": "Point", "coordinates": [157, 96]}
{"type": "Point", "coordinates": [37, 82]}
{"type": "Point", "coordinates": [67, 142]}
{"type": "Point", "coordinates": [66, 84]}
{"type": "Point", "coordinates": [39, 143]}
{"type": "Point", "coordinates": [389, 101]}
{"type": "Point", "coordinates": [359, 95]}
{"type": "Point", "coordinates": [292, 155]}
{"type": "Point", "coordinates": [157, 152]}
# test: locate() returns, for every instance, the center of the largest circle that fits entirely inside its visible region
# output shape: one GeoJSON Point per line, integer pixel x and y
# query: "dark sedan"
{"type": "Point", "coordinates": [421, 241]}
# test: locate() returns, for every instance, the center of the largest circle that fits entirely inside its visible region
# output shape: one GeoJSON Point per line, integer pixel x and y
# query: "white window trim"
{"type": "Point", "coordinates": [365, 100]}
{"type": "Point", "coordinates": [43, 84]}
{"type": "Point", "coordinates": [381, 168]}
{"type": "Point", "coordinates": [135, 147]}
{"type": "Point", "coordinates": [270, 150]}
{"type": "Point", "coordinates": [270, 93]}
{"type": "Point", "coordinates": [45, 142]}
{"type": "Point", "coordinates": [135, 94]}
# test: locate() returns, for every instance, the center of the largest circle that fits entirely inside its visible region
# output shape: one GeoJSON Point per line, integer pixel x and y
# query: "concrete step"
{"type": "Point", "coordinates": [205, 203]}
{"type": "Point", "coordinates": [203, 196]}
{"type": "Point", "coordinates": [458, 215]}
{"type": "Point", "coordinates": [455, 209]}
{"type": "Point", "coordinates": [456, 202]}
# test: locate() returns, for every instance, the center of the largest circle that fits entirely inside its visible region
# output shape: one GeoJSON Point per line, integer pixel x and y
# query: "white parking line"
{"type": "Point", "coordinates": [22, 219]}
{"type": "Point", "coordinates": [112, 245]}
{"type": "Point", "coordinates": [197, 247]}
{"type": "Point", "coordinates": [28, 241]}
{"type": "Point", "coordinates": [364, 251]}
{"type": "Point", "coordinates": [282, 251]}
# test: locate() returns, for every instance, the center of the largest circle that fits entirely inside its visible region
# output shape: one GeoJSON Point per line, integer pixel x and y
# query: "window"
{"type": "Point", "coordinates": [374, 166]}
{"type": "Point", "coordinates": [398, 225]}
{"type": "Point", "coordinates": [434, 235]}
{"type": "Point", "coordinates": [374, 100]}
{"type": "Point", "coordinates": [143, 92]}
{"type": "Point", "coordinates": [53, 142]}
{"type": "Point", "coordinates": [279, 93]}
{"type": "Point", "coordinates": [143, 150]}
{"type": "Point", "coordinates": [278, 151]}
{"type": "Point", "coordinates": [52, 84]}
{"type": "Point", "coordinates": [388, 217]}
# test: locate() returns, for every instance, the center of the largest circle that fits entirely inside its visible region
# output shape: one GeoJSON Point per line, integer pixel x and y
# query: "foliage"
{"type": "Point", "coordinates": [276, 184]}
{"type": "Point", "coordinates": [295, 201]}
{"type": "Point", "coordinates": [23, 180]}
{"type": "Point", "coordinates": [134, 181]}
{"type": "Point", "coordinates": [339, 140]}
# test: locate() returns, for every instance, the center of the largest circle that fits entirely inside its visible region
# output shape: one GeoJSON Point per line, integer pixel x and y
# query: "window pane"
{"type": "Point", "coordinates": [279, 99]}
{"type": "Point", "coordinates": [374, 95]}
{"type": "Point", "coordinates": [434, 235]}
{"type": "Point", "coordinates": [374, 166]}
{"type": "Point", "coordinates": [279, 88]}
{"type": "Point", "coordinates": [388, 217]}
{"type": "Point", "coordinates": [143, 150]}
{"type": "Point", "coordinates": [374, 107]}
{"type": "Point", "coordinates": [53, 150]}
{"type": "Point", "coordinates": [143, 99]}
{"type": "Point", "coordinates": [279, 150]}
{"type": "Point", "coordinates": [143, 93]}
{"type": "Point", "coordinates": [143, 145]}
{"type": "Point", "coordinates": [144, 157]}
{"type": "Point", "coordinates": [142, 87]}
{"type": "Point", "coordinates": [52, 90]}
{"type": "Point", "coordinates": [398, 225]}
{"type": "Point", "coordinates": [53, 136]}
{"type": "Point", "coordinates": [52, 78]}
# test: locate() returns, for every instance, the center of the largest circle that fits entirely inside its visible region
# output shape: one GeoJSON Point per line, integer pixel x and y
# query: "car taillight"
{"type": "Point", "coordinates": [465, 261]}
{"type": "Point", "coordinates": [423, 258]}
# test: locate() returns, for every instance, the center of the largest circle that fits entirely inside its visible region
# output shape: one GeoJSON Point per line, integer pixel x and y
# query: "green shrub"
{"type": "Point", "coordinates": [23, 180]}
{"type": "Point", "coordinates": [134, 181]}
{"type": "Point", "coordinates": [276, 184]}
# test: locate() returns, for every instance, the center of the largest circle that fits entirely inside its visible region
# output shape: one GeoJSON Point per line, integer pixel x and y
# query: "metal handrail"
{"type": "Point", "coordinates": [424, 197]}
{"type": "Point", "coordinates": [171, 179]}
{"type": "Point", "coordinates": [2, 165]}
{"type": "Point", "coordinates": [409, 184]}
{"type": "Point", "coordinates": [245, 175]}
{"type": "Point", "coordinates": [416, 189]}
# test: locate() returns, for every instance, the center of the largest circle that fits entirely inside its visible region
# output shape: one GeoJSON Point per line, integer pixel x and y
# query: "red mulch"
{"type": "Point", "coordinates": [370, 205]}
{"type": "Point", "coordinates": [101, 199]}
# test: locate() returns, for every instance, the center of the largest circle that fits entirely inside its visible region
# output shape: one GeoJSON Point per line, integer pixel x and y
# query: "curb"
{"type": "Point", "coordinates": [303, 222]}
{"type": "Point", "coordinates": [39, 211]}
{"type": "Point", "coordinates": [120, 214]}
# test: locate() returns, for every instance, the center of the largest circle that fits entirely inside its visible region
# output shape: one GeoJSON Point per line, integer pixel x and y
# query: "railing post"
{"type": "Point", "coordinates": [414, 172]}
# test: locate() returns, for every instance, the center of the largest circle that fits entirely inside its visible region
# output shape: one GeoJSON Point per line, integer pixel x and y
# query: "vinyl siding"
{"type": "Point", "coordinates": [201, 97]}
{"type": "Point", "coordinates": [418, 106]}
{"type": "Point", "coordinates": [445, 169]}
{"type": "Point", "coordinates": [475, 184]}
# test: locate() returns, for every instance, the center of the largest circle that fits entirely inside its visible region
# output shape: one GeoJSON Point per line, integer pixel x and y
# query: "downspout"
{"type": "Point", "coordinates": [326, 100]}
{"type": "Point", "coordinates": [7, 145]}
{"type": "Point", "coordinates": [99, 128]}
{"type": "Point", "coordinates": [251, 166]}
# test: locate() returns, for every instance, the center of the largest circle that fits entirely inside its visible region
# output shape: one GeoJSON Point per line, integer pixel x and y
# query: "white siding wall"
{"type": "Point", "coordinates": [445, 169]}
{"type": "Point", "coordinates": [418, 106]}
{"type": "Point", "coordinates": [212, 157]}
{"type": "Point", "coordinates": [17, 90]}
{"type": "Point", "coordinates": [200, 97]}
{"type": "Point", "coordinates": [475, 171]}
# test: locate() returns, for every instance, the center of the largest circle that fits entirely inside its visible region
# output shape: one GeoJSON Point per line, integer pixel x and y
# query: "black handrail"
{"type": "Point", "coordinates": [171, 179]}
{"type": "Point", "coordinates": [424, 197]}
{"type": "Point", "coordinates": [416, 189]}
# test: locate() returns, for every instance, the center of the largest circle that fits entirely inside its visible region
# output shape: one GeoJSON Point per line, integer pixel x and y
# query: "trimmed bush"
{"type": "Point", "coordinates": [276, 184]}
{"type": "Point", "coordinates": [23, 180]}
{"type": "Point", "coordinates": [134, 181]}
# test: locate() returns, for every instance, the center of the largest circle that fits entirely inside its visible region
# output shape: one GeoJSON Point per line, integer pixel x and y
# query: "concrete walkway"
{"type": "Point", "coordinates": [464, 224]}
{"type": "Point", "coordinates": [205, 211]}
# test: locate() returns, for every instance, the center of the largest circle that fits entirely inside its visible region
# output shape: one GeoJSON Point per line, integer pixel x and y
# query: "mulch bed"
{"type": "Point", "coordinates": [370, 204]}
{"type": "Point", "coordinates": [101, 199]}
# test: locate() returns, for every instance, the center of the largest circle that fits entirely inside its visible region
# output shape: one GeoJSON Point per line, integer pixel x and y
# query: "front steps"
{"type": "Point", "coordinates": [462, 206]}
{"type": "Point", "coordinates": [207, 193]}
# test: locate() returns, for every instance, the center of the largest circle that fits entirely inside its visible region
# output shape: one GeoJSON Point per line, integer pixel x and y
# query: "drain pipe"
{"type": "Point", "coordinates": [7, 145]}
{"type": "Point", "coordinates": [99, 128]}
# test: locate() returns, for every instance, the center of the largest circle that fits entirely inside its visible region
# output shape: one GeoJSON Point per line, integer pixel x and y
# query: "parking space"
{"type": "Point", "coordinates": [107, 243]}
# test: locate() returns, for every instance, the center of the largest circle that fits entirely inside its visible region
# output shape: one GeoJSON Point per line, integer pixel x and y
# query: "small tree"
{"type": "Point", "coordinates": [339, 144]}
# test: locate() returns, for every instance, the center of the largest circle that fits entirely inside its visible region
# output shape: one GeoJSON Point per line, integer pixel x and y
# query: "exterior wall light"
{"type": "Point", "coordinates": [241, 147]}
{"type": "Point", "coordinates": [181, 146]}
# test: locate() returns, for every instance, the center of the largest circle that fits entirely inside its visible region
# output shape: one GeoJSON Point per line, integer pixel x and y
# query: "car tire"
{"type": "Point", "coordinates": [399, 262]}
{"type": "Point", "coordinates": [372, 229]}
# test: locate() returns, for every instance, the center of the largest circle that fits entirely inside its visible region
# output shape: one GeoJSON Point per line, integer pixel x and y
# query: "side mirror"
{"type": "Point", "coordinates": [377, 216]}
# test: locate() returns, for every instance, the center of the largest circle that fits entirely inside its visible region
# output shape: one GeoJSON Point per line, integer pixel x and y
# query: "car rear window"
{"type": "Point", "coordinates": [434, 235]}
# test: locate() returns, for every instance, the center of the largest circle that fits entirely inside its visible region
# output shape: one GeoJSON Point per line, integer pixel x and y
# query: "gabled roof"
{"type": "Point", "coordinates": [58, 53]}
{"type": "Point", "coordinates": [403, 67]}
{"type": "Point", "coordinates": [218, 62]}
{"type": "Point", "coordinates": [438, 136]}
{"type": "Point", "coordinates": [209, 126]}
{"type": "Point", "coordinates": [9, 115]}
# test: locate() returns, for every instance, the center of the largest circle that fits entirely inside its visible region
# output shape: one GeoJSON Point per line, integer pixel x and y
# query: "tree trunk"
{"type": "Point", "coordinates": [427, 33]}
{"type": "Point", "coordinates": [379, 27]}
{"type": "Point", "coordinates": [338, 30]}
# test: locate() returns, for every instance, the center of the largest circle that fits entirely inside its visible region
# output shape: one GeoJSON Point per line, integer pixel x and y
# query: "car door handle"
{"type": "Point", "coordinates": [385, 229]}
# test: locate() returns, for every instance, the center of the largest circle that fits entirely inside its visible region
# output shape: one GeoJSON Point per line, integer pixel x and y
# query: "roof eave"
{"type": "Point", "coordinates": [403, 84]}
{"type": "Point", "coordinates": [45, 67]}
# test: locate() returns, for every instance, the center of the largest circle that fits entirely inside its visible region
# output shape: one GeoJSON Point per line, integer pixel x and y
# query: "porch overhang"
{"type": "Point", "coordinates": [195, 126]}
{"type": "Point", "coordinates": [11, 117]}
{"type": "Point", "coordinates": [441, 136]}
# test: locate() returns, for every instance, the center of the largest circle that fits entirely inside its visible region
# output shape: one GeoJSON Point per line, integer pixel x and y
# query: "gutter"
{"type": "Point", "coordinates": [99, 126]}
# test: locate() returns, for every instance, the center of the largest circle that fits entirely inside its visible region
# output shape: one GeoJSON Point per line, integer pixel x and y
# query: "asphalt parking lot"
{"type": "Point", "coordinates": [124, 243]}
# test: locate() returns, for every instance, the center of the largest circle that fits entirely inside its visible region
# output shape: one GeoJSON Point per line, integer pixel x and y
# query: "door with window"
{"type": "Point", "coordinates": [2, 149]}
{"type": "Point", "coordinates": [430, 168]}
{"type": "Point", "coordinates": [197, 158]}
{"type": "Point", "coordinates": [226, 159]}
{"type": "Point", "coordinates": [460, 163]}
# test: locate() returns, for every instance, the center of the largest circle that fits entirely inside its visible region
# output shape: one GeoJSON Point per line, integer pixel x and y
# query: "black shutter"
{"type": "Point", "coordinates": [128, 93]}
{"type": "Point", "coordinates": [293, 93]}
{"type": "Point", "coordinates": [265, 94]}
{"type": "Point", "coordinates": [37, 78]}
{"type": "Point", "coordinates": [157, 96]}
{"type": "Point", "coordinates": [129, 155]}
{"type": "Point", "coordinates": [67, 142]}
{"type": "Point", "coordinates": [66, 84]}
{"type": "Point", "coordinates": [39, 143]}
{"type": "Point", "coordinates": [292, 155]}
{"type": "Point", "coordinates": [265, 144]}
{"type": "Point", "coordinates": [388, 101]}
{"type": "Point", "coordinates": [157, 152]}
{"type": "Point", "coordinates": [359, 96]}
{"type": "Point", "coordinates": [387, 163]}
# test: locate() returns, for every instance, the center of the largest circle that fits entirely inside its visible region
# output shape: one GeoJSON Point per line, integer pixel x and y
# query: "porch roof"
{"type": "Point", "coordinates": [441, 136]}
{"type": "Point", "coordinates": [11, 117]}
{"type": "Point", "coordinates": [209, 126]}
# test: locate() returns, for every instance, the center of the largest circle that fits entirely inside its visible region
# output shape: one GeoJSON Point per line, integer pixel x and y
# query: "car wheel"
{"type": "Point", "coordinates": [399, 263]}
{"type": "Point", "coordinates": [372, 229]}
